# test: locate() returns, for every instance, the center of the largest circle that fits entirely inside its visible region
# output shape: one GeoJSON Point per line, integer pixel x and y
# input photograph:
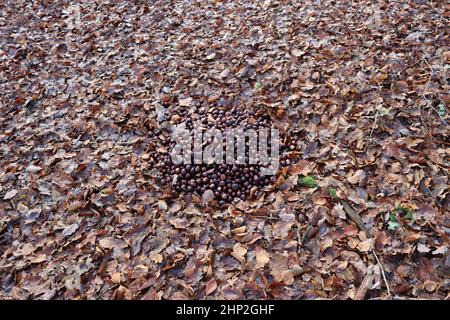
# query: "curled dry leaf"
{"type": "Point", "coordinates": [365, 246]}
{"type": "Point", "coordinates": [239, 230]}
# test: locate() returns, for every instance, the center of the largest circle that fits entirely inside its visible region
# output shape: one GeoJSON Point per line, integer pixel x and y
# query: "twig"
{"type": "Point", "coordinates": [357, 219]}
{"type": "Point", "coordinates": [305, 235]}
{"type": "Point", "coordinates": [299, 237]}
{"type": "Point", "coordinates": [399, 298]}
{"type": "Point", "coordinates": [374, 124]}
{"type": "Point", "coordinates": [373, 128]}
{"type": "Point", "coordinates": [382, 273]}
{"type": "Point", "coordinates": [106, 290]}
{"type": "Point", "coordinates": [351, 213]}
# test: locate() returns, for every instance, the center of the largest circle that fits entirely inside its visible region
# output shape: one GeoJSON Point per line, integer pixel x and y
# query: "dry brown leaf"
{"type": "Point", "coordinates": [262, 257]}
{"type": "Point", "coordinates": [211, 286]}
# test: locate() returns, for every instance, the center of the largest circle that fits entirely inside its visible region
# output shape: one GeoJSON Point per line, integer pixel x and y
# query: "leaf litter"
{"type": "Point", "coordinates": [360, 88]}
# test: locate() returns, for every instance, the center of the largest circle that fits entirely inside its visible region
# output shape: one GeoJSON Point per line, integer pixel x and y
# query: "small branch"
{"type": "Point", "coordinates": [106, 290]}
{"type": "Point", "coordinates": [382, 273]}
{"type": "Point", "coordinates": [351, 213]}
{"type": "Point", "coordinates": [358, 221]}
{"type": "Point", "coordinates": [374, 124]}
{"type": "Point", "coordinates": [305, 235]}
{"type": "Point", "coordinates": [399, 298]}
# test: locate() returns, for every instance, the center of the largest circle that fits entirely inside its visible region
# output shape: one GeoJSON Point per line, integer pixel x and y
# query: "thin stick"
{"type": "Point", "coordinates": [374, 124]}
{"type": "Point", "coordinates": [354, 216]}
{"type": "Point", "coordinates": [106, 290]}
{"type": "Point", "coordinates": [382, 273]}
{"type": "Point", "coordinates": [357, 219]}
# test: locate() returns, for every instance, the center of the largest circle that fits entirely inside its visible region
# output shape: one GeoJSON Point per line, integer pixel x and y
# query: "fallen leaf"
{"type": "Point", "coordinates": [430, 286]}
{"type": "Point", "coordinates": [211, 286]}
{"type": "Point", "coordinates": [357, 177]}
{"type": "Point", "coordinates": [116, 278]}
{"type": "Point", "coordinates": [68, 231]}
{"type": "Point", "coordinates": [440, 250]}
{"type": "Point", "coordinates": [110, 243]}
{"type": "Point", "coordinates": [187, 102]}
{"type": "Point", "coordinates": [298, 53]}
{"type": "Point", "coordinates": [33, 169]}
{"type": "Point", "coordinates": [365, 246]}
{"type": "Point", "coordinates": [423, 248]}
{"type": "Point", "coordinates": [262, 257]}
{"type": "Point", "coordinates": [10, 194]}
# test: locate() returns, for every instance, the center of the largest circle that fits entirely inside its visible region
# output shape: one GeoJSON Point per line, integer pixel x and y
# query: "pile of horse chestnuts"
{"type": "Point", "coordinates": [225, 182]}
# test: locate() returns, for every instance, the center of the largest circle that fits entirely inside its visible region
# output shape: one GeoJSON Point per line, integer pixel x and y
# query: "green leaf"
{"type": "Point", "coordinates": [392, 217]}
{"type": "Point", "coordinates": [409, 216]}
{"type": "Point", "coordinates": [333, 193]}
{"type": "Point", "coordinates": [259, 86]}
{"type": "Point", "coordinates": [308, 182]}
{"type": "Point", "coordinates": [383, 111]}
{"type": "Point", "coordinates": [405, 212]}
{"type": "Point", "coordinates": [441, 110]}
{"type": "Point", "coordinates": [393, 225]}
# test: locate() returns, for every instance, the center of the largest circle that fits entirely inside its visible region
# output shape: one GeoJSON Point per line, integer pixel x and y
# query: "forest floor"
{"type": "Point", "coordinates": [361, 85]}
